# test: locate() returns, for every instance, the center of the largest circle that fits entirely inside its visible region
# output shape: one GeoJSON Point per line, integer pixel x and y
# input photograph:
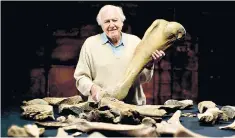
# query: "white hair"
{"type": "Point", "coordinates": [104, 8]}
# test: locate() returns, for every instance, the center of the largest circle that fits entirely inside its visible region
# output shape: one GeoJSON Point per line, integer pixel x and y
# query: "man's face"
{"type": "Point", "coordinates": [112, 24]}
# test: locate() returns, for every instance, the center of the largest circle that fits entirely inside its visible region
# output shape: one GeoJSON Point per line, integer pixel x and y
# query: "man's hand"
{"type": "Point", "coordinates": [156, 56]}
{"type": "Point", "coordinates": [95, 90]}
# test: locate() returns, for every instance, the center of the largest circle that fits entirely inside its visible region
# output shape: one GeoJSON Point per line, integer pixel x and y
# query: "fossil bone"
{"type": "Point", "coordinates": [144, 129]}
{"type": "Point", "coordinates": [76, 108]}
{"type": "Point", "coordinates": [148, 121]}
{"type": "Point", "coordinates": [229, 111]}
{"type": "Point", "coordinates": [53, 124]}
{"type": "Point", "coordinates": [100, 116]}
{"type": "Point", "coordinates": [167, 108]}
{"type": "Point", "coordinates": [128, 130]}
{"type": "Point", "coordinates": [61, 119]}
{"type": "Point", "coordinates": [175, 128]}
{"type": "Point", "coordinates": [108, 116]}
{"type": "Point", "coordinates": [204, 105]}
{"type": "Point", "coordinates": [35, 101]}
{"type": "Point", "coordinates": [25, 131]}
{"type": "Point", "coordinates": [145, 110]}
{"type": "Point", "coordinates": [183, 103]}
{"type": "Point", "coordinates": [71, 100]}
{"type": "Point", "coordinates": [32, 130]}
{"type": "Point", "coordinates": [96, 135]}
{"type": "Point", "coordinates": [212, 115]}
{"type": "Point", "coordinates": [38, 112]}
{"type": "Point", "coordinates": [231, 126]}
{"type": "Point", "coordinates": [223, 116]}
{"type": "Point", "coordinates": [54, 100]}
{"type": "Point", "coordinates": [159, 36]}
{"type": "Point", "coordinates": [61, 133]}
{"type": "Point", "coordinates": [76, 134]}
{"type": "Point", "coordinates": [188, 115]}
{"type": "Point", "coordinates": [130, 117]}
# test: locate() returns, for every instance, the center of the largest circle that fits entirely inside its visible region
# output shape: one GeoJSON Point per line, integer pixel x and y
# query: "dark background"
{"type": "Point", "coordinates": [28, 25]}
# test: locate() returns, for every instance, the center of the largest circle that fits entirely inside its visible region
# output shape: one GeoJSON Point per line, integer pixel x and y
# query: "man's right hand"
{"type": "Point", "coordinates": [96, 92]}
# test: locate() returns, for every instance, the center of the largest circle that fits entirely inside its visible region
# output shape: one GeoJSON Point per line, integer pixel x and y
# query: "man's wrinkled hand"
{"type": "Point", "coordinates": [95, 89]}
{"type": "Point", "coordinates": [96, 92]}
{"type": "Point", "coordinates": [156, 56]}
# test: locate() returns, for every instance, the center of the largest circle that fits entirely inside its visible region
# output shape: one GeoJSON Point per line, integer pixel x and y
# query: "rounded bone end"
{"type": "Point", "coordinates": [175, 29]}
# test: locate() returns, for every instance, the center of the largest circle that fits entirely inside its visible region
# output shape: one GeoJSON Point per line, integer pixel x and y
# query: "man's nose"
{"type": "Point", "coordinates": [111, 24]}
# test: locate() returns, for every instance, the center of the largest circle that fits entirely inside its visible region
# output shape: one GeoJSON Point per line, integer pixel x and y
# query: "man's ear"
{"type": "Point", "coordinates": [122, 23]}
{"type": "Point", "coordinates": [101, 26]}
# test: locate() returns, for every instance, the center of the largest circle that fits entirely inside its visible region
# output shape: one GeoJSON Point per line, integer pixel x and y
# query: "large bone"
{"type": "Point", "coordinates": [62, 133]}
{"type": "Point", "coordinates": [71, 100]}
{"type": "Point", "coordinates": [144, 129]}
{"type": "Point", "coordinates": [212, 115]}
{"type": "Point", "coordinates": [183, 103]}
{"type": "Point", "coordinates": [188, 114]}
{"type": "Point", "coordinates": [231, 126]}
{"type": "Point", "coordinates": [204, 105]}
{"type": "Point", "coordinates": [54, 100]}
{"type": "Point", "coordinates": [146, 110]}
{"type": "Point", "coordinates": [96, 135]}
{"type": "Point", "coordinates": [61, 119]}
{"type": "Point", "coordinates": [127, 130]}
{"type": "Point", "coordinates": [25, 131]}
{"type": "Point", "coordinates": [229, 111]}
{"type": "Point", "coordinates": [35, 101]}
{"type": "Point", "coordinates": [38, 112]}
{"type": "Point", "coordinates": [99, 116]}
{"type": "Point", "coordinates": [159, 36]}
{"type": "Point", "coordinates": [63, 100]}
{"type": "Point", "coordinates": [175, 128]}
{"type": "Point", "coordinates": [76, 108]}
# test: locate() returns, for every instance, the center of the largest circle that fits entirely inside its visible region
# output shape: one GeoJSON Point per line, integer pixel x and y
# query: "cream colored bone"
{"type": "Point", "coordinates": [175, 128]}
{"type": "Point", "coordinates": [159, 36]}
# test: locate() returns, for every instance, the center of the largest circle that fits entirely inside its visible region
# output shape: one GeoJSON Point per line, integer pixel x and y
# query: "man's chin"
{"type": "Point", "coordinates": [113, 37]}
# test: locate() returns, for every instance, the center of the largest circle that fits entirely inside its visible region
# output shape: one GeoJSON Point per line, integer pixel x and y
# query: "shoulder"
{"type": "Point", "coordinates": [93, 39]}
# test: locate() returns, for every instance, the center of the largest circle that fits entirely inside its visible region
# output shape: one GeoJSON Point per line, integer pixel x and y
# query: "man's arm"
{"type": "Point", "coordinates": [82, 72]}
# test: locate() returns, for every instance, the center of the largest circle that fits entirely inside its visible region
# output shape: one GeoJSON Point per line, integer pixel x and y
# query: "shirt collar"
{"type": "Point", "coordinates": [105, 39]}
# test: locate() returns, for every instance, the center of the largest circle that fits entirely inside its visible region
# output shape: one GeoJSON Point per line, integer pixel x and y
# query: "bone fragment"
{"type": "Point", "coordinates": [183, 103]}
{"type": "Point", "coordinates": [204, 105]}
{"type": "Point", "coordinates": [229, 111]}
{"type": "Point", "coordinates": [35, 101]}
{"type": "Point", "coordinates": [25, 131]}
{"type": "Point", "coordinates": [38, 112]}
{"type": "Point", "coordinates": [231, 126]}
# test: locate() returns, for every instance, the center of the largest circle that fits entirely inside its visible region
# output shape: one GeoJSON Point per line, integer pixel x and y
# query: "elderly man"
{"type": "Point", "coordinates": [104, 58]}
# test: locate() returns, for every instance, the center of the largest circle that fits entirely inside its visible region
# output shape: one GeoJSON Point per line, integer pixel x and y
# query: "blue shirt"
{"type": "Point", "coordinates": [116, 49]}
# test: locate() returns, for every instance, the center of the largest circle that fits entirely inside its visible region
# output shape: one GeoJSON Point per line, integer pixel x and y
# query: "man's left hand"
{"type": "Point", "coordinates": [156, 56]}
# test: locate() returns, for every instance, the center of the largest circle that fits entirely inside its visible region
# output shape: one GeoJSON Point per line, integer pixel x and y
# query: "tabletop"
{"type": "Point", "coordinates": [13, 116]}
